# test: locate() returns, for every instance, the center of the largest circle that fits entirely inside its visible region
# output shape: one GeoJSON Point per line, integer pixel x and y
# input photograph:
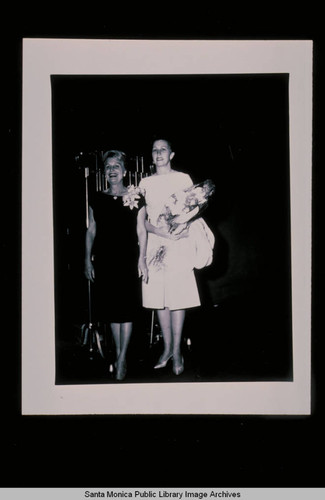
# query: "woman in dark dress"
{"type": "Point", "coordinates": [112, 236]}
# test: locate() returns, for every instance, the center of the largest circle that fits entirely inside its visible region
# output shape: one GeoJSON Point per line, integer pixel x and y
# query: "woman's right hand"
{"type": "Point", "coordinates": [89, 271]}
{"type": "Point", "coordinates": [163, 231]}
{"type": "Point", "coordinates": [143, 269]}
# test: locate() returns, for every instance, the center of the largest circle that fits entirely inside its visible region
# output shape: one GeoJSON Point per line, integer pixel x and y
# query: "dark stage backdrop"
{"type": "Point", "coordinates": [233, 129]}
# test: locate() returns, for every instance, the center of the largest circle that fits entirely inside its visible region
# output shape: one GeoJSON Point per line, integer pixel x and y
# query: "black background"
{"type": "Point", "coordinates": [233, 129]}
{"type": "Point", "coordinates": [102, 451]}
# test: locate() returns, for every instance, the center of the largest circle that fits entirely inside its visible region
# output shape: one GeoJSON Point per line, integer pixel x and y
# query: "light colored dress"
{"type": "Point", "coordinates": [171, 280]}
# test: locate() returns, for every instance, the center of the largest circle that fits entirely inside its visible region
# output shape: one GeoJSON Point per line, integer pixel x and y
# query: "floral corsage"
{"type": "Point", "coordinates": [132, 197]}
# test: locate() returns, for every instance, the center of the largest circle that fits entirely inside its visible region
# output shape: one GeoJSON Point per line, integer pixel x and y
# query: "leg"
{"type": "Point", "coordinates": [177, 321]}
{"type": "Point", "coordinates": [116, 332]}
{"type": "Point", "coordinates": [125, 336]}
{"type": "Point", "coordinates": [164, 318]}
{"type": "Point", "coordinates": [124, 339]}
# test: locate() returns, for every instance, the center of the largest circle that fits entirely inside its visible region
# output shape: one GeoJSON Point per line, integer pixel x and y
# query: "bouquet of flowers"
{"type": "Point", "coordinates": [182, 207]}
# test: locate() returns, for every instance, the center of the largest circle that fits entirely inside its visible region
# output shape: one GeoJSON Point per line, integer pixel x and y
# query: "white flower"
{"type": "Point", "coordinates": [131, 199]}
{"type": "Point", "coordinates": [180, 210]}
{"type": "Point", "coordinates": [184, 205]}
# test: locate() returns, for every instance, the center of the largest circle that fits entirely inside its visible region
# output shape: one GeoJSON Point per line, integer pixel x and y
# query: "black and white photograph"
{"type": "Point", "coordinates": [161, 214]}
{"type": "Point", "coordinates": [185, 154]}
{"type": "Point", "coordinates": [174, 183]}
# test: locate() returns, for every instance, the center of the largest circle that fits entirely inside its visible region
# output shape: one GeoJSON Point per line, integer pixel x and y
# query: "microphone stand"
{"type": "Point", "coordinates": [91, 336]}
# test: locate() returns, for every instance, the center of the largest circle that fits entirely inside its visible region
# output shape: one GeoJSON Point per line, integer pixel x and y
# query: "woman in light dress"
{"type": "Point", "coordinates": [169, 283]}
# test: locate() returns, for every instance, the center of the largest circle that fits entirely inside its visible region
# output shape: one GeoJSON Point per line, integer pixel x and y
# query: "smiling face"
{"type": "Point", "coordinates": [114, 171]}
{"type": "Point", "coordinates": [162, 153]}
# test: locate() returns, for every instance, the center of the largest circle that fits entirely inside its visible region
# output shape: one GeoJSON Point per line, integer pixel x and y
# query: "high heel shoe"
{"type": "Point", "coordinates": [162, 364]}
{"type": "Point", "coordinates": [178, 368]}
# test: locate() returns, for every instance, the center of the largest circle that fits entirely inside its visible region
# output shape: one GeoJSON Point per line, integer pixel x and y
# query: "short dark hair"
{"type": "Point", "coordinates": [161, 138]}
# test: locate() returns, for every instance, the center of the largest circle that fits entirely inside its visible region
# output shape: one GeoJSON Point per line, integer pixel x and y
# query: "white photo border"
{"type": "Point", "coordinates": [45, 57]}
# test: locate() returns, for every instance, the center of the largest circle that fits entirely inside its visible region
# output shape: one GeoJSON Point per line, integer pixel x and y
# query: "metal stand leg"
{"type": "Point", "coordinates": [155, 331]}
{"type": "Point", "coordinates": [151, 328]}
{"type": "Point", "coordinates": [91, 336]}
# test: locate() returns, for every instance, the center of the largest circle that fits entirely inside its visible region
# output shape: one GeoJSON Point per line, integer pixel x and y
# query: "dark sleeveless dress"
{"type": "Point", "coordinates": [117, 287]}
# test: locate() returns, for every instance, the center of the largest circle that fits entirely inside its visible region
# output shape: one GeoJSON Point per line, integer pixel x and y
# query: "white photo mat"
{"type": "Point", "coordinates": [45, 57]}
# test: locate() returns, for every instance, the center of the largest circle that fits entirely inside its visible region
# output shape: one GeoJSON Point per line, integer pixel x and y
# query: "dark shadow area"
{"type": "Point", "coordinates": [232, 129]}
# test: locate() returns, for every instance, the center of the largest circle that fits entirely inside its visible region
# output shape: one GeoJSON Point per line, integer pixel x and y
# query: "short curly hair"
{"type": "Point", "coordinates": [116, 154]}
